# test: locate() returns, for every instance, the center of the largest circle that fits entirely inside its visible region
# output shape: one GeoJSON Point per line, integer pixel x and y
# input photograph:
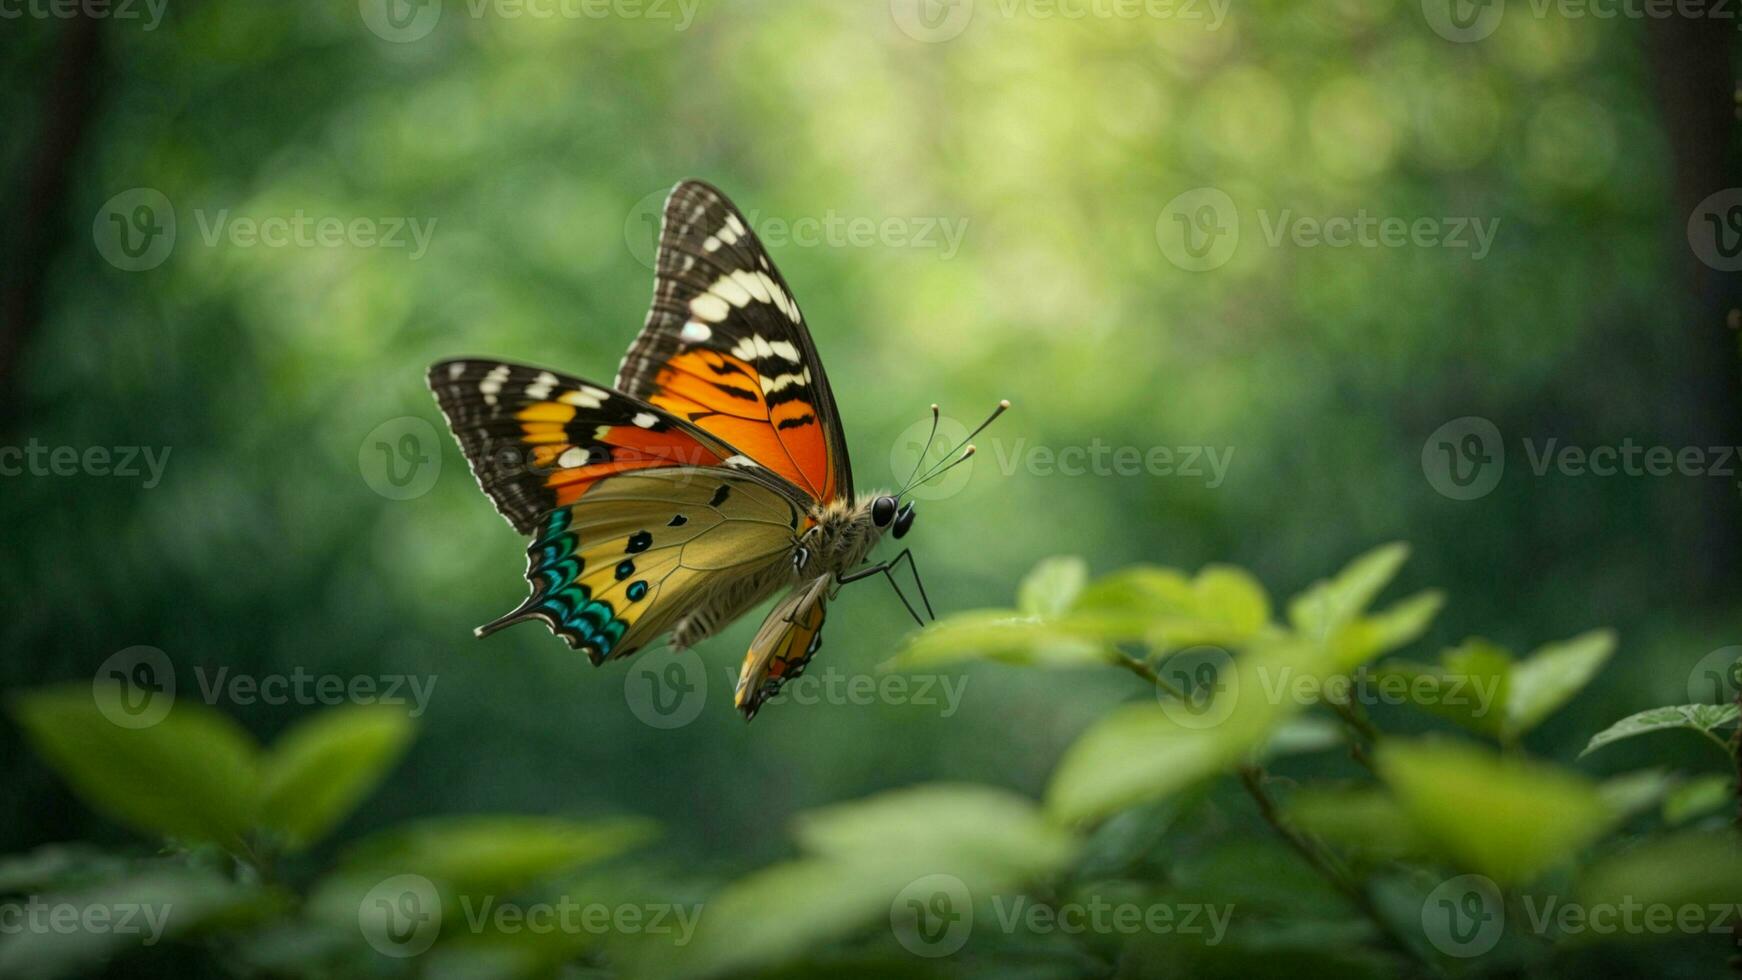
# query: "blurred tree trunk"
{"type": "Point", "coordinates": [1696, 89]}
{"type": "Point", "coordinates": [40, 194]}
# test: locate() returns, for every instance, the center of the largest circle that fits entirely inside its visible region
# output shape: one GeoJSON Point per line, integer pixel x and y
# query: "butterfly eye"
{"type": "Point", "coordinates": [883, 511]}
{"type": "Point", "coordinates": [904, 520]}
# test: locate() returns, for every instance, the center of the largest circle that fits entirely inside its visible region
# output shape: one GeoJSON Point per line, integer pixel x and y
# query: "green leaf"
{"type": "Point", "coordinates": [1631, 792]}
{"type": "Point", "coordinates": [1149, 750]}
{"type": "Point", "coordinates": [1365, 820]}
{"type": "Point", "coordinates": [867, 858]}
{"type": "Point", "coordinates": [1050, 588]}
{"type": "Point", "coordinates": [1223, 605]}
{"type": "Point", "coordinates": [191, 775]}
{"type": "Point", "coordinates": [1328, 605]}
{"type": "Point", "coordinates": [1001, 635]}
{"type": "Point", "coordinates": [1688, 869]}
{"type": "Point", "coordinates": [1504, 817]}
{"type": "Point", "coordinates": [319, 771]}
{"type": "Point", "coordinates": [1470, 686]}
{"type": "Point", "coordinates": [494, 852]}
{"type": "Point", "coordinates": [1552, 675]}
{"type": "Point", "coordinates": [1698, 797]}
{"type": "Point", "coordinates": [142, 909]}
{"type": "Point", "coordinates": [1303, 736]}
{"type": "Point", "coordinates": [1356, 642]}
{"type": "Point", "coordinates": [774, 914]}
{"type": "Point", "coordinates": [957, 828]}
{"type": "Point", "coordinates": [1702, 718]}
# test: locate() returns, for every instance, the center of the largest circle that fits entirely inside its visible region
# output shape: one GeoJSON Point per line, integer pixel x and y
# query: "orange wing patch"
{"type": "Point", "coordinates": [763, 408]}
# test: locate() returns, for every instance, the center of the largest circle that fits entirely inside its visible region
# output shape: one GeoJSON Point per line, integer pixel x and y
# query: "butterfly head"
{"type": "Point", "coordinates": [889, 514]}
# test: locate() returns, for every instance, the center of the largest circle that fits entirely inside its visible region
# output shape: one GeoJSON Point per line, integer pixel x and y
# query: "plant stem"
{"type": "Point", "coordinates": [1142, 669]}
{"type": "Point", "coordinates": [1252, 777]}
{"type": "Point", "coordinates": [1360, 730]}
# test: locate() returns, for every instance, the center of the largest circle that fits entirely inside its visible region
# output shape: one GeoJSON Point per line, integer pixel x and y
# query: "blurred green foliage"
{"type": "Point", "coordinates": [531, 146]}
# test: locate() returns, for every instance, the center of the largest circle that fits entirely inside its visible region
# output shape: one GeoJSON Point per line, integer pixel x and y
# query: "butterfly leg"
{"type": "Point", "coordinates": [907, 553]}
{"type": "Point", "coordinates": [883, 568]}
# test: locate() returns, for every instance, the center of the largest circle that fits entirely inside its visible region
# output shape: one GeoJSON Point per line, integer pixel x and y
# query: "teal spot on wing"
{"type": "Point", "coordinates": [555, 571]}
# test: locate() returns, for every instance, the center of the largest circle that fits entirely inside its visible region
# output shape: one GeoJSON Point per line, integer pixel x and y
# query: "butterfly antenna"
{"type": "Point", "coordinates": [928, 441]}
{"type": "Point", "coordinates": [949, 464]}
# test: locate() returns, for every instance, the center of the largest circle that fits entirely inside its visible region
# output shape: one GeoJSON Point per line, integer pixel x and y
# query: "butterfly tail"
{"type": "Point", "coordinates": [558, 598]}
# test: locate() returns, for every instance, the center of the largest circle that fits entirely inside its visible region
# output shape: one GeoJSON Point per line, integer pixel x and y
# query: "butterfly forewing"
{"type": "Point", "coordinates": [536, 439]}
{"type": "Point", "coordinates": [726, 348]}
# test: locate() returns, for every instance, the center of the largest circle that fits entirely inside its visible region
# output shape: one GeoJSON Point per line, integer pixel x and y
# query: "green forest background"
{"type": "Point", "coordinates": [536, 149]}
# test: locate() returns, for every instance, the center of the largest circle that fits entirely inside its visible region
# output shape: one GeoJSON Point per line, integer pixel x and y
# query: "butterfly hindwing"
{"type": "Point", "coordinates": [639, 551]}
{"type": "Point", "coordinates": [538, 440]}
{"type": "Point", "coordinates": [788, 639]}
{"type": "Point", "coordinates": [726, 348]}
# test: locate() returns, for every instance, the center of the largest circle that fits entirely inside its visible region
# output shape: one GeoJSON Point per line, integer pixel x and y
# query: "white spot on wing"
{"type": "Point", "coordinates": [733, 223]}
{"type": "Point", "coordinates": [646, 420]}
{"type": "Point", "coordinates": [696, 332]}
{"type": "Point", "coordinates": [709, 307]}
{"type": "Point", "coordinates": [572, 457]}
{"type": "Point", "coordinates": [711, 244]}
{"type": "Point", "coordinates": [786, 350]}
{"type": "Point", "coordinates": [740, 460]}
{"type": "Point", "coordinates": [455, 370]}
{"type": "Point", "coordinates": [540, 388]}
{"type": "Point", "coordinates": [728, 289]}
{"type": "Point", "coordinates": [491, 386]}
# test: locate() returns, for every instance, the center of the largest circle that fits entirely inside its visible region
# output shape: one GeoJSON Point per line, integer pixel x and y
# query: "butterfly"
{"type": "Point", "coordinates": [711, 476]}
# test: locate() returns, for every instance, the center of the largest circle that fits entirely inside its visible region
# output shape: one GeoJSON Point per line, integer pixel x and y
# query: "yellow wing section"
{"type": "Point", "coordinates": [616, 570]}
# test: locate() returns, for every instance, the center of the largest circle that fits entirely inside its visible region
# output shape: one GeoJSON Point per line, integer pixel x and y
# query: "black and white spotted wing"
{"type": "Point", "coordinates": [726, 348]}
